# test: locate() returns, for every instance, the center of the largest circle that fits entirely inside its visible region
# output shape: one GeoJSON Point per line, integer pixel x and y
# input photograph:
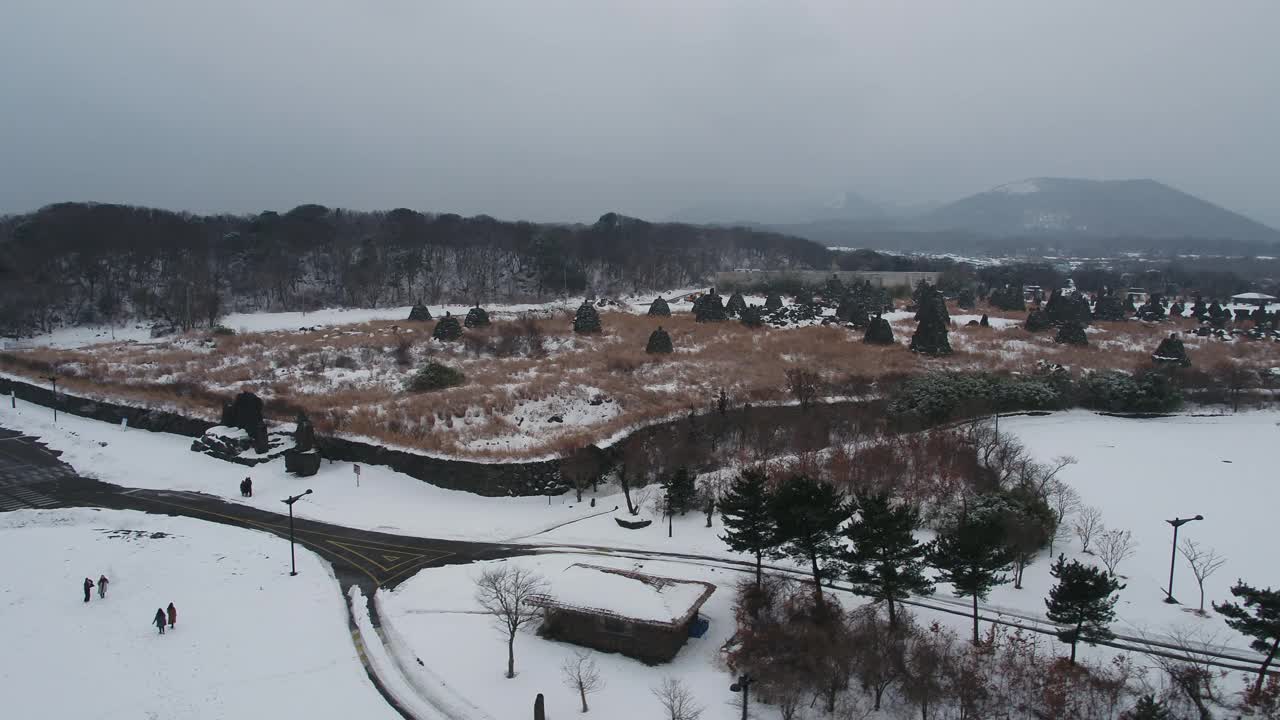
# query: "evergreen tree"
{"type": "Point", "coordinates": [1148, 708]}
{"type": "Point", "coordinates": [1084, 600]}
{"type": "Point", "coordinates": [1037, 320]}
{"type": "Point", "coordinates": [447, 328]}
{"type": "Point", "coordinates": [751, 317]}
{"type": "Point", "coordinates": [1259, 618]}
{"type": "Point", "coordinates": [659, 308]}
{"type": "Point", "coordinates": [1178, 309]}
{"type": "Point", "coordinates": [1108, 308]}
{"type": "Point", "coordinates": [1152, 310]}
{"type": "Point", "coordinates": [1199, 310]}
{"type": "Point", "coordinates": [807, 514]}
{"type": "Point", "coordinates": [419, 313]}
{"type": "Point", "coordinates": [709, 308]}
{"type": "Point", "coordinates": [879, 332]}
{"type": "Point", "coordinates": [833, 290]}
{"type": "Point", "coordinates": [1072, 333]}
{"type": "Point", "coordinates": [1171, 352]}
{"type": "Point", "coordinates": [854, 309]}
{"type": "Point", "coordinates": [681, 490]}
{"type": "Point", "coordinates": [1009, 297]}
{"type": "Point", "coordinates": [773, 302]}
{"type": "Point", "coordinates": [586, 321]}
{"type": "Point", "coordinates": [930, 337]}
{"type": "Point", "coordinates": [803, 296]}
{"type": "Point", "coordinates": [476, 317]}
{"type": "Point", "coordinates": [747, 515]}
{"type": "Point", "coordinates": [736, 305]}
{"type": "Point", "coordinates": [965, 299]}
{"type": "Point", "coordinates": [984, 322]}
{"type": "Point", "coordinates": [659, 342]}
{"type": "Point", "coordinates": [973, 557]}
{"type": "Point", "coordinates": [883, 560]}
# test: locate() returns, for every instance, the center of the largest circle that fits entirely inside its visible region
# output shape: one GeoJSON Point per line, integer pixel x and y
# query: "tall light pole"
{"type": "Point", "coordinates": [1173, 557]}
{"type": "Point", "coordinates": [53, 381]}
{"type": "Point", "coordinates": [290, 501]}
{"type": "Point", "coordinates": [743, 686]}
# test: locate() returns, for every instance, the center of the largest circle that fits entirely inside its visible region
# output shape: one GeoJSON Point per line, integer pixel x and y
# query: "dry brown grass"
{"type": "Point", "coordinates": [502, 408]}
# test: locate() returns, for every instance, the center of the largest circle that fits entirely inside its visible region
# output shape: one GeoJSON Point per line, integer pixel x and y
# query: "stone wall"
{"type": "Point", "coordinates": [748, 279]}
{"type": "Point", "coordinates": [138, 417]}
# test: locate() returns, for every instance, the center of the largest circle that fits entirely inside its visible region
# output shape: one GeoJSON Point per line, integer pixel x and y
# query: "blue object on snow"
{"type": "Point", "coordinates": [699, 626]}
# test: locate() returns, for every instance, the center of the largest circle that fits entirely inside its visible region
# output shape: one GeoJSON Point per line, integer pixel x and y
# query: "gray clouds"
{"type": "Point", "coordinates": [563, 110]}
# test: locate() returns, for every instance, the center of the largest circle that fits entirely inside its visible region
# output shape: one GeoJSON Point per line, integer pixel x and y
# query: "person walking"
{"type": "Point", "coordinates": [88, 586]}
{"type": "Point", "coordinates": [248, 487]}
{"type": "Point", "coordinates": [244, 487]}
{"type": "Point", "coordinates": [173, 616]}
{"type": "Point", "coordinates": [102, 587]}
{"type": "Point", "coordinates": [158, 620]}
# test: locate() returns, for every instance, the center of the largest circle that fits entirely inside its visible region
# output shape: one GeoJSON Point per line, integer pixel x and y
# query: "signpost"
{"type": "Point", "coordinates": [357, 469]}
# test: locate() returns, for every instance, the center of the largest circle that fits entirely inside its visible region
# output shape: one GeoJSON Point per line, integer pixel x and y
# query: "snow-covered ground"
{"type": "Point", "coordinates": [250, 640]}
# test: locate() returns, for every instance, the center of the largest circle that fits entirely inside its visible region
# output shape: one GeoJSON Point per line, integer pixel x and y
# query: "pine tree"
{"type": "Point", "coordinates": [659, 342]}
{"type": "Point", "coordinates": [1259, 618]}
{"type": "Point", "coordinates": [747, 515]}
{"type": "Point", "coordinates": [476, 317]}
{"type": "Point", "coordinates": [973, 557]}
{"type": "Point", "coordinates": [659, 308]}
{"type": "Point", "coordinates": [879, 332]}
{"type": "Point", "coordinates": [681, 490]}
{"type": "Point", "coordinates": [965, 299]}
{"type": "Point", "coordinates": [709, 308]}
{"type": "Point", "coordinates": [1171, 352]}
{"type": "Point", "coordinates": [1109, 308]}
{"type": "Point", "coordinates": [930, 337]}
{"type": "Point", "coordinates": [419, 313]}
{"type": "Point", "coordinates": [447, 328]}
{"type": "Point", "coordinates": [736, 305]}
{"type": "Point", "coordinates": [883, 560]}
{"type": "Point", "coordinates": [1084, 600]}
{"type": "Point", "coordinates": [1037, 320]}
{"type": "Point", "coordinates": [808, 514]}
{"type": "Point", "coordinates": [751, 317]}
{"type": "Point", "coordinates": [1008, 297]}
{"type": "Point", "coordinates": [1072, 333]}
{"type": "Point", "coordinates": [586, 320]}
{"type": "Point", "coordinates": [803, 296]}
{"type": "Point", "coordinates": [773, 302]}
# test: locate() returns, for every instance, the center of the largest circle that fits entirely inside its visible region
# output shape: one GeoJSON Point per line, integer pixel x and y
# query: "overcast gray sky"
{"type": "Point", "coordinates": [550, 109]}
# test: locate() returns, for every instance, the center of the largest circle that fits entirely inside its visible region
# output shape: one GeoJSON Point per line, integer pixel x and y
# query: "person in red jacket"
{"type": "Point", "coordinates": [173, 616]}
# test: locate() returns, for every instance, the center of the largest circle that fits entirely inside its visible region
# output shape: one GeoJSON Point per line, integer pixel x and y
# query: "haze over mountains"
{"type": "Point", "coordinates": [1036, 207]}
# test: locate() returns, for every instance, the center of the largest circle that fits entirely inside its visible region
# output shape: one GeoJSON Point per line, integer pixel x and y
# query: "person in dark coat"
{"type": "Point", "coordinates": [158, 620]}
{"type": "Point", "coordinates": [173, 616]}
{"type": "Point", "coordinates": [88, 586]}
{"type": "Point", "coordinates": [102, 586]}
{"type": "Point", "coordinates": [244, 492]}
{"type": "Point", "coordinates": [248, 486]}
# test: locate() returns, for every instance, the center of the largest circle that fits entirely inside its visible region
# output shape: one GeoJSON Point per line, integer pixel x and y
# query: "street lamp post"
{"type": "Point", "coordinates": [293, 563]}
{"type": "Point", "coordinates": [53, 381]}
{"type": "Point", "coordinates": [743, 686]}
{"type": "Point", "coordinates": [1173, 556]}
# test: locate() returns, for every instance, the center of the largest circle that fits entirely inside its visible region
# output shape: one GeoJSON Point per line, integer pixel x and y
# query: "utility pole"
{"type": "Point", "coordinates": [1173, 558]}
{"type": "Point", "coordinates": [53, 381]}
{"type": "Point", "coordinates": [743, 686]}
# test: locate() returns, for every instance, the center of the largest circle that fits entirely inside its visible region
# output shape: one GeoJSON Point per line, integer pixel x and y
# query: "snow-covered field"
{"type": "Point", "coordinates": [250, 641]}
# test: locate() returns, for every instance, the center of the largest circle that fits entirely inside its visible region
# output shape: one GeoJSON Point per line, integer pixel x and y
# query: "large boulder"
{"type": "Point", "coordinates": [302, 464]}
{"type": "Point", "coordinates": [245, 412]}
{"type": "Point", "coordinates": [659, 342]}
{"type": "Point", "coordinates": [447, 328]}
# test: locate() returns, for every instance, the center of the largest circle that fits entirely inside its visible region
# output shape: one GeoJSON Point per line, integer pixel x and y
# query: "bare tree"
{"type": "Point", "coordinates": [582, 675]}
{"type": "Point", "coordinates": [1189, 669]}
{"type": "Point", "coordinates": [1203, 561]}
{"type": "Point", "coordinates": [505, 591]}
{"type": "Point", "coordinates": [1114, 547]}
{"type": "Point", "coordinates": [1063, 500]}
{"type": "Point", "coordinates": [1088, 525]}
{"type": "Point", "coordinates": [803, 386]}
{"type": "Point", "coordinates": [677, 700]}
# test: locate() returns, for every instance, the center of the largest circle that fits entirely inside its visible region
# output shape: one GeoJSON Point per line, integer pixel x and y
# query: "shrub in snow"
{"type": "Point", "coordinates": [435, 376]}
{"type": "Point", "coordinates": [1008, 297]}
{"type": "Point", "coordinates": [709, 308]}
{"type": "Point", "coordinates": [772, 302]}
{"type": "Point", "coordinates": [1152, 310]}
{"type": "Point", "coordinates": [857, 306]}
{"type": "Point", "coordinates": [223, 330]}
{"type": "Point", "coordinates": [984, 322]}
{"type": "Point", "coordinates": [586, 321]}
{"type": "Point", "coordinates": [659, 342]}
{"type": "Point", "coordinates": [751, 316]}
{"type": "Point", "coordinates": [419, 313]}
{"type": "Point", "coordinates": [447, 328]}
{"type": "Point", "coordinates": [1071, 333]}
{"type": "Point", "coordinates": [659, 308]}
{"type": "Point", "coordinates": [965, 299]}
{"type": "Point", "coordinates": [937, 397]}
{"type": "Point", "coordinates": [1171, 352]}
{"type": "Point", "coordinates": [1037, 320]}
{"type": "Point", "coordinates": [803, 296]}
{"type": "Point", "coordinates": [1108, 308]}
{"type": "Point", "coordinates": [879, 332]}
{"type": "Point", "coordinates": [930, 337]}
{"type": "Point", "coordinates": [736, 305]}
{"type": "Point", "coordinates": [476, 317]}
{"type": "Point", "coordinates": [1115, 391]}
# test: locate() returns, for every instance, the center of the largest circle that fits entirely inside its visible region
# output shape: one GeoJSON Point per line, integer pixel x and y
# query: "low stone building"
{"type": "Point", "coordinates": [646, 617]}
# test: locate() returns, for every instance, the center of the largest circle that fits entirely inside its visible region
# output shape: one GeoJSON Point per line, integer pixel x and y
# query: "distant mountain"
{"type": "Point", "coordinates": [769, 211]}
{"type": "Point", "coordinates": [1094, 208]}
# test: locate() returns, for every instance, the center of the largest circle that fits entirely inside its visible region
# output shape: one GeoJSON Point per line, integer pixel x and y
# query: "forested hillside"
{"type": "Point", "coordinates": [82, 263]}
